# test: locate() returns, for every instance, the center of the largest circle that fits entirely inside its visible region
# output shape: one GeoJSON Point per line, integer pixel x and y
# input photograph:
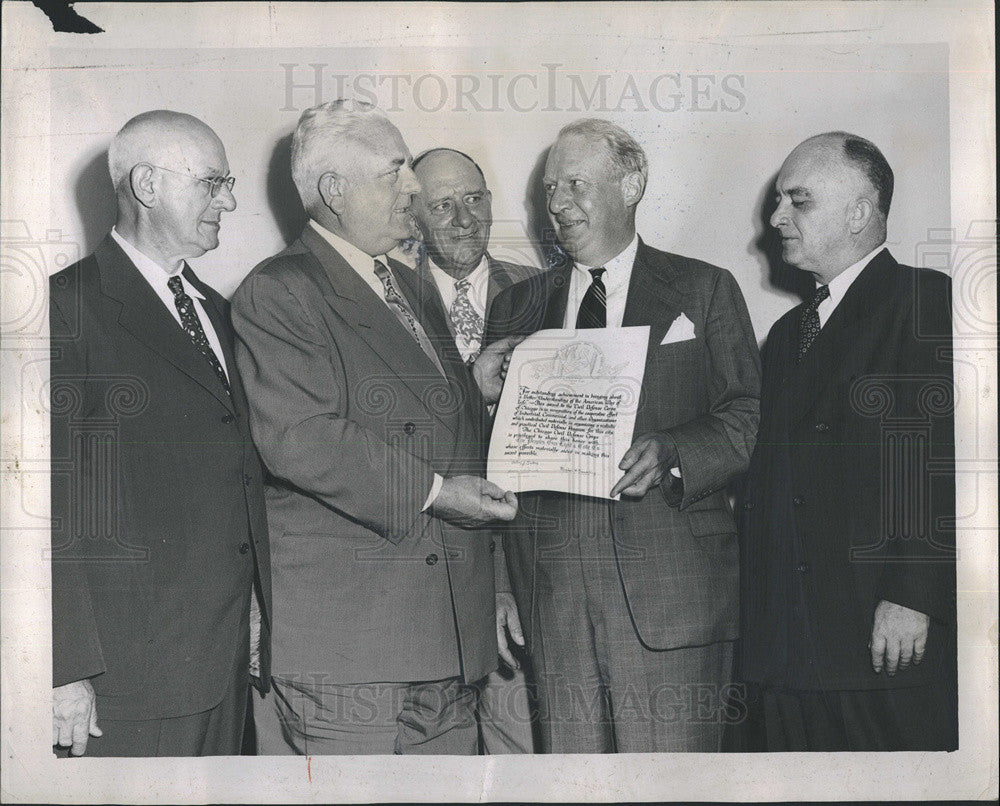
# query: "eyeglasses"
{"type": "Point", "coordinates": [215, 184]}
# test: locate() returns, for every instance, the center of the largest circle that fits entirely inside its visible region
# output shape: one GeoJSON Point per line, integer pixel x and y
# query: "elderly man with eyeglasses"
{"type": "Point", "coordinates": [159, 540]}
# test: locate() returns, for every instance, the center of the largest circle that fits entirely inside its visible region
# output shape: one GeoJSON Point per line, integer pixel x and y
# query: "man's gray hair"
{"type": "Point", "coordinates": [626, 153]}
{"type": "Point", "coordinates": [319, 129]}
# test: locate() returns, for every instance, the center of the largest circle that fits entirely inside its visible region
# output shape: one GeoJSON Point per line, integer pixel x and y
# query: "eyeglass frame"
{"type": "Point", "coordinates": [214, 185]}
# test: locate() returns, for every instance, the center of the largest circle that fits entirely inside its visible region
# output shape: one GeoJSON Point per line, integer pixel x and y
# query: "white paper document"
{"type": "Point", "coordinates": [567, 412]}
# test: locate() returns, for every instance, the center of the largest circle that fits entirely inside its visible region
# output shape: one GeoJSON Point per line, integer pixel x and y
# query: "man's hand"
{"type": "Point", "coordinates": [507, 617]}
{"type": "Point", "coordinates": [899, 636]}
{"type": "Point", "coordinates": [645, 464]}
{"type": "Point", "coordinates": [74, 716]}
{"type": "Point", "coordinates": [470, 501]}
{"type": "Point", "coordinates": [490, 367]}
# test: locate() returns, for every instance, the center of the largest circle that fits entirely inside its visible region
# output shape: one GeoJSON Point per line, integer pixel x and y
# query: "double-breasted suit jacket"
{"type": "Point", "coordinates": [157, 498]}
{"type": "Point", "coordinates": [353, 420]}
{"type": "Point", "coordinates": [675, 550]}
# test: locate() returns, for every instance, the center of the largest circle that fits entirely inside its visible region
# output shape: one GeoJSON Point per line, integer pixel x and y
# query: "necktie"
{"type": "Point", "coordinates": [192, 324]}
{"type": "Point", "coordinates": [467, 322]}
{"type": "Point", "coordinates": [404, 313]}
{"type": "Point", "coordinates": [809, 325]}
{"type": "Point", "coordinates": [594, 307]}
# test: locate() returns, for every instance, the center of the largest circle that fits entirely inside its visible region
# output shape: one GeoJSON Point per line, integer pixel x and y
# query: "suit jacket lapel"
{"type": "Point", "coordinates": [143, 315]}
{"type": "Point", "coordinates": [653, 298]}
{"type": "Point", "coordinates": [371, 319]}
{"type": "Point", "coordinates": [499, 280]}
{"type": "Point", "coordinates": [839, 337]}
{"type": "Point", "coordinates": [557, 296]}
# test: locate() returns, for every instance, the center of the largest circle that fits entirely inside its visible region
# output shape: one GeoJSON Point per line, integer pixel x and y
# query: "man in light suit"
{"type": "Point", "coordinates": [631, 605]}
{"type": "Point", "coordinates": [159, 531]}
{"type": "Point", "coordinates": [369, 423]}
{"type": "Point", "coordinates": [454, 212]}
{"type": "Point", "coordinates": [847, 516]}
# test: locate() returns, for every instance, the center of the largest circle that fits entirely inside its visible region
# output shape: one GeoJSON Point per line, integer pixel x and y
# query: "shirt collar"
{"type": "Point", "coordinates": [152, 271]}
{"type": "Point", "coordinates": [619, 268]}
{"type": "Point", "coordinates": [475, 277]}
{"type": "Point", "coordinates": [359, 260]}
{"type": "Point", "coordinates": [838, 285]}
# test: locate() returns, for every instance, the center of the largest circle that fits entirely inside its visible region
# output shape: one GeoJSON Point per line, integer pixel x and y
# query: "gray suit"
{"type": "Point", "coordinates": [639, 597]}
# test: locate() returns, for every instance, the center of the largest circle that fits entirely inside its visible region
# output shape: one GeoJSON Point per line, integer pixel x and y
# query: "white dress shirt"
{"type": "Point", "coordinates": [157, 277]}
{"type": "Point", "coordinates": [617, 275]}
{"type": "Point", "coordinates": [838, 285]}
{"type": "Point", "coordinates": [479, 286]}
{"type": "Point", "coordinates": [364, 265]}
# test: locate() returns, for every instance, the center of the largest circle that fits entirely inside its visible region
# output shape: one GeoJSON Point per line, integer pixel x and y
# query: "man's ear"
{"type": "Point", "coordinates": [140, 180]}
{"type": "Point", "coordinates": [861, 215]}
{"type": "Point", "coordinates": [633, 186]}
{"type": "Point", "coordinates": [331, 187]}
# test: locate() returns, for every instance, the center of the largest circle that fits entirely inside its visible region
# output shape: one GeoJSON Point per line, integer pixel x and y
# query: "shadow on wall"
{"type": "Point", "coordinates": [776, 275]}
{"type": "Point", "coordinates": [95, 200]}
{"type": "Point", "coordinates": [540, 229]}
{"type": "Point", "coordinates": [282, 197]}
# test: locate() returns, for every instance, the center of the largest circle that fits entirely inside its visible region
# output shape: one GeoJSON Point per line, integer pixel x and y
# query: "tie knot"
{"type": "Point", "coordinates": [597, 273]}
{"type": "Point", "coordinates": [381, 271]}
{"type": "Point", "coordinates": [821, 294]}
{"type": "Point", "coordinates": [175, 285]}
{"type": "Point", "coordinates": [462, 286]}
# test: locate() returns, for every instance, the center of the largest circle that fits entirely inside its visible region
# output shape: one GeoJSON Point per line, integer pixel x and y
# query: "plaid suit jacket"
{"type": "Point", "coordinates": [676, 548]}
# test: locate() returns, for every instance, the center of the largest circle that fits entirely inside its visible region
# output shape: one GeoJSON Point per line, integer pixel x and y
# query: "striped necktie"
{"type": "Point", "coordinates": [594, 306]}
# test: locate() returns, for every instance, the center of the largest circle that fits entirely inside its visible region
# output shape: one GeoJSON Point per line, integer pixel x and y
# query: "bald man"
{"type": "Point", "coordinates": [454, 210]}
{"type": "Point", "coordinates": [159, 539]}
{"type": "Point", "coordinates": [847, 518]}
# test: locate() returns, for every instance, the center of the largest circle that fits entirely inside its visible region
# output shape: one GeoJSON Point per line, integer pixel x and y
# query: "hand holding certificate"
{"type": "Point", "coordinates": [567, 412]}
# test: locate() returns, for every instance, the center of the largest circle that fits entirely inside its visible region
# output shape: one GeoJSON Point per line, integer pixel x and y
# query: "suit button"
{"type": "Point", "coordinates": [61, 281]}
{"type": "Point", "coordinates": [798, 500]}
{"type": "Point", "coordinates": [748, 505]}
{"type": "Point", "coordinates": [431, 559]}
{"type": "Point", "coordinates": [822, 427]}
{"type": "Point", "coordinates": [493, 546]}
{"type": "Point", "coordinates": [227, 418]}
{"type": "Point", "coordinates": [803, 568]}
{"type": "Point", "coordinates": [409, 428]}
{"type": "Point", "coordinates": [248, 480]}
{"type": "Point", "coordinates": [244, 548]}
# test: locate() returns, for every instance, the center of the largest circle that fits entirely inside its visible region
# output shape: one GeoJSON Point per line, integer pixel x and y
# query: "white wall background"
{"type": "Point", "coordinates": [734, 112]}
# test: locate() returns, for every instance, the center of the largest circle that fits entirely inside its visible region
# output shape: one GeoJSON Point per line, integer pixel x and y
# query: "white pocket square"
{"type": "Point", "coordinates": [681, 329]}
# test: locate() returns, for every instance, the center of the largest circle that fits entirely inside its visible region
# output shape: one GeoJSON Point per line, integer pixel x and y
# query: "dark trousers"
{"type": "Point", "coordinates": [918, 718]}
{"type": "Point", "coordinates": [299, 718]}
{"type": "Point", "coordinates": [598, 689]}
{"type": "Point", "coordinates": [215, 732]}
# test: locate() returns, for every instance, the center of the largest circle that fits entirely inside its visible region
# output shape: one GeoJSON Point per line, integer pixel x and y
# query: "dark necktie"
{"type": "Point", "coordinates": [468, 324]}
{"type": "Point", "coordinates": [594, 307]}
{"type": "Point", "coordinates": [192, 324]}
{"type": "Point", "coordinates": [809, 325]}
{"type": "Point", "coordinates": [404, 313]}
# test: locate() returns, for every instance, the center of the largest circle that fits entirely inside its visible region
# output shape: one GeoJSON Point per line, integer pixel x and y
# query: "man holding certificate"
{"type": "Point", "coordinates": [630, 605]}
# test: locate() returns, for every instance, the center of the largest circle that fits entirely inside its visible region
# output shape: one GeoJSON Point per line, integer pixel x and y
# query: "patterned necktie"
{"type": "Point", "coordinates": [404, 313]}
{"type": "Point", "coordinates": [809, 325]}
{"type": "Point", "coordinates": [192, 324]}
{"type": "Point", "coordinates": [594, 307]}
{"type": "Point", "coordinates": [467, 322]}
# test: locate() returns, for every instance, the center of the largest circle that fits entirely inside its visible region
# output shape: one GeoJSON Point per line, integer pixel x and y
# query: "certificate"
{"type": "Point", "coordinates": [567, 411]}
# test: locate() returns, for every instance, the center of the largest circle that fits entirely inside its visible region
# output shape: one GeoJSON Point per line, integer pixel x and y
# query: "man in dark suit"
{"type": "Point", "coordinates": [454, 212]}
{"type": "Point", "coordinates": [631, 605]}
{"type": "Point", "coordinates": [848, 513]}
{"type": "Point", "coordinates": [159, 531]}
{"type": "Point", "coordinates": [369, 423]}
